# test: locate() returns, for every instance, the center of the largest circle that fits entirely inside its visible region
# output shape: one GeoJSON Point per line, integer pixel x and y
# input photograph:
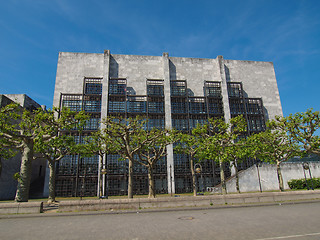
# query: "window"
{"type": "Point", "coordinates": [68, 165]}
{"type": "Point", "coordinates": [155, 107]}
{"type": "Point", "coordinates": [115, 165]}
{"type": "Point", "coordinates": [154, 87]}
{"type": "Point", "coordinates": [235, 90]}
{"type": "Point", "coordinates": [197, 105]}
{"type": "Point", "coordinates": [178, 105]}
{"type": "Point", "coordinates": [236, 106]}
{"type": "Point", "coordinates": [256, 123]}
{"type": "Point", "coordinates": [92, 124]}
{"type": "Point", "coordinates": [181, 163]}
{"type": "Point", "coordinates": [117, 86]}
{"type": "Point", "coordinates": [178, 88]}
{"type": "Point", "coordinates": [92, 106]}
{"type": "Point", "coordinates": [156, 123]}
{"type": "Point", "coordinates": [89, 165]}
{"type": "Point", "coordinates": [180, 124]}
{"type": "Point", "coordinates": [116, 106]}
{"type": "Point", "coordinates": [73, 105]}
{"type": "Point", "coordinates": [195, 121]}
{"type": "Point", "coordinates": [215, 106]}
{"type": "Point", "coordinates": [213, 89]}
{"type": "Point", "coordinates": [254, 106]}
{"type": "Point", "coordinates": [136, 104]}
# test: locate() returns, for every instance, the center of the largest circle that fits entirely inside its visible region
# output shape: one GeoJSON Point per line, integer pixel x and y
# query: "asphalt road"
{"type": "Point", "coordinates": [294, 221]}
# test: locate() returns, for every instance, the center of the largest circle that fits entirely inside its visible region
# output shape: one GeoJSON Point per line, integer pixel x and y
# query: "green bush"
{"type": "Point", "coordinates": [301, 183]}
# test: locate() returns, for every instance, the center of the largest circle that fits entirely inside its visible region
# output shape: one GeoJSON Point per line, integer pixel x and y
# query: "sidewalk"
{"type": "Point", "coordinates": [112, 206]}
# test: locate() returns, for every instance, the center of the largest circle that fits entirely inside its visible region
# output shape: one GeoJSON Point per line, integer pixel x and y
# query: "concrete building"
{"type": "Point", "coordinates": [8, 185]}
{"type": "Point", "coordinates": [171, 92]}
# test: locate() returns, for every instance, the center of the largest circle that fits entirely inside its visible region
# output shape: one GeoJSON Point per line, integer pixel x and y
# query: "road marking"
{"type": "Point", "coordinates": [292, 236]}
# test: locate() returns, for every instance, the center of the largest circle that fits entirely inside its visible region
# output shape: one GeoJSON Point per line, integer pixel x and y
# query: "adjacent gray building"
{"type": "Point", "coordinates": [8, 185]}
{"type": "Point", "coordinates": [172, 92]}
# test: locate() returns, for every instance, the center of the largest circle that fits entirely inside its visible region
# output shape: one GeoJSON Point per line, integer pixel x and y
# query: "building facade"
{"type": "Point", "coordinates": [171, 92]}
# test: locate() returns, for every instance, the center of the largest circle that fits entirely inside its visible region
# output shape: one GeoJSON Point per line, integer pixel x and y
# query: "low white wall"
{"type": "Point", "coordinates": [249, 181]}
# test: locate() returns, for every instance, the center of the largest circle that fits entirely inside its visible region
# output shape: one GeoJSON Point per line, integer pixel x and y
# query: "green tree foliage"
{"type": "Point", "coordinates": [238, 153]}
{"type": "Point", "coordinates": [273, 146]}
{"type": "Point", "coordinates": [22, 129]}
{"type": "Point", "coordinates": [124, 134]}
{"type": "Point", "coordinates": [19, 129]}
{"type": "Point", "coordinates": [99, 143]}
{"type": "Point", "coordinates": [220, 142]}
{"type": "Point", "coordinates": [52, 144]}
{"type": "Point", "coordinates": [191, 144]}
{"type": "Point", "coordinates": [302, 127]}
{"type": "Point", "coordinates": [152, 147]}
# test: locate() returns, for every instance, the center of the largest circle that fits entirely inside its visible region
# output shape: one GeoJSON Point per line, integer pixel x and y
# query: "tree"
{"type": "Point", "coordinates": [220, 142]}
{"type": "Point", "coordinates": [22, 129]}
{"type": "Point", "coordinates": [273, 146]}
{"type": "Point", "coordinates": [237, 153]}
{"type": "Point", "coordinates": [152, 147]}
{"type": "Point", "coordinates": [124, 136]}
{"type": "Point", "coordinates": [302, 127]}
{"type": "Point", "coordinates": [52, 141]}
{"type": "Point", "coordinates": [101, 144]}
{"type": "Point", "coordinates": [19, 128]}
{"type": "Point", "coordinates": [190, 144]}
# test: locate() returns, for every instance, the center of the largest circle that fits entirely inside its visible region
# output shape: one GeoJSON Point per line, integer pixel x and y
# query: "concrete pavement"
{"type": "Point", "coordinates": [281, 221]}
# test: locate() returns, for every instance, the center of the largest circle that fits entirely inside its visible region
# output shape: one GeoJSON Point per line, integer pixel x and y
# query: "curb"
{"type": "Point", "coordinates": [141, 211]}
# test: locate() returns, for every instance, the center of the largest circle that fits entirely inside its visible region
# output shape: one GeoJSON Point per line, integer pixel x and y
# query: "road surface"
{"type": "Point", "coordinates": [285, 222]}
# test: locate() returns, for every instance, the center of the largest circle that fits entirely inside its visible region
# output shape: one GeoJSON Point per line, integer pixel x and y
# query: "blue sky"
{"type": "Point", "coordinates": [285, 32]}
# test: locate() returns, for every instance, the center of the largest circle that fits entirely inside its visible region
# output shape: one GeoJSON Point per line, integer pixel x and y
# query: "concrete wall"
{"type": "Point", "coordinates": [8, 186]}
{"type": "Point", "coordinates": [258, 78]}
{"type": "Point", "coordinates": [249, 181]}
{"type": "Point", "coordinates": [259, 81]}
{"type": "Point", "coordinates": [136, 69]}
{"type": "Point", "coordinates": [195, 71]}
{"type": "Point", "coordinates": [71, 70]}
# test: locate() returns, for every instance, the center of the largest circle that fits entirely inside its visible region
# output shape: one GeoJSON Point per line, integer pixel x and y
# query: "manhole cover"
{"type": "Point", "coordinates": [186, 218]}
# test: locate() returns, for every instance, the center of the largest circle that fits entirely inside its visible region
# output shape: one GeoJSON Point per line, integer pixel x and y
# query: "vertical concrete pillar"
{"type": "Point", "coordinates": [224, 89]}
{"type": "Point", "coordinates": [104, 112]}
{"type": "Point", "coordinates": [168, 121]}
{"type": "Point", "coordinates": [225, 96]}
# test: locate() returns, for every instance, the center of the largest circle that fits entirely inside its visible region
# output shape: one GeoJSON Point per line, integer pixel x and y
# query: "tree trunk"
{"type": "Point", "coordinates": [130, 179]}
{"type": "Point", "coordinates": [52, 182]}
{"type": "Point", "coordinates": [194, 186]}
{"type": "Point", "coordinates": [152, 192]}
{"type": "Point", "coordinates": [22, 194]}
{"type": "Point", "coordinates": [222, 177]}
{"type": "Point", "coordinates": [281, 187]}
{"type": "Point", "coordinates": [237, 175]}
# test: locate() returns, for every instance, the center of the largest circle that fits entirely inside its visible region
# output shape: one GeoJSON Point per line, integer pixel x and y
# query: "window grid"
{"type": "Point", "coordinates": [254, 105]}
{"type": "Point", "coordinates": [235, 89]}
{"type": "Point", "coordinates": [137, 104]}
{"type": "Point", "coordinates": [178, 88]}
{"type": "Point", "coordinates": [93, 86]}
{"type": "Point", "coordinates": [155, 87]}
{"type": "Point", "coordinates": [179, 105]}
{"type": "Point", "coordinates": [197, 105]}
{"type": "Point", "coordinates": [215, 106]}
{"type": "Point", "coordinates": [72, 101]}
{"type": "Point", "coordinates": [180, 122]}
{"type": "Point", "coordinates": [117, 86]}
{"type": "Point", "coordinates": [213, 89]}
